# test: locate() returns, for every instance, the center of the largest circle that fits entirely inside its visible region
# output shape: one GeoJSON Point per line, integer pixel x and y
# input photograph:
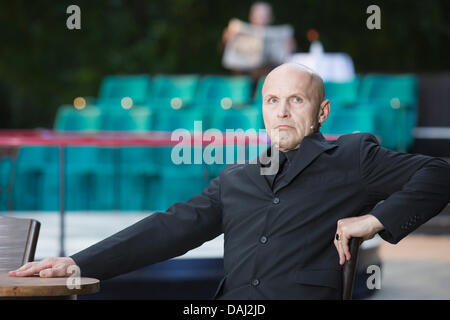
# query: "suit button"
{"type": "Point", "coordinates": [263, 239]}
{"type": "Point", "coordinates": [276, 200]}
{"type": "Point", "coordinates": [255, 282]}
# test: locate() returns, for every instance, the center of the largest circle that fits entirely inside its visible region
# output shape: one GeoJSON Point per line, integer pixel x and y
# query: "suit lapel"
{"type": "Point", "coordinates": [310, 148]}
{"type": "Point", "coordinates": [254, 172]}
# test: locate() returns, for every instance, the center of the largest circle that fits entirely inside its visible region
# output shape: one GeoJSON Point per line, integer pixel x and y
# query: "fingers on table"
{"type": "Point", "coordinates": [59, 271]}
{"type": "Point", "coordinates": [31, 268]}
{"type": "Point", "coordinates": [22, 269]}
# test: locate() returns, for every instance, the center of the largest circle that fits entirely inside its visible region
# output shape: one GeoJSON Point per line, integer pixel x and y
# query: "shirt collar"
{"type": "Point", "coordinates": [290, 154]}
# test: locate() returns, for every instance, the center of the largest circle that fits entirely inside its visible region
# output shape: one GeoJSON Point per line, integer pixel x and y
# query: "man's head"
{"type": "Point", "coordinates": [293, 104]}
{"type": "Point", "coordinates": [260, 14]}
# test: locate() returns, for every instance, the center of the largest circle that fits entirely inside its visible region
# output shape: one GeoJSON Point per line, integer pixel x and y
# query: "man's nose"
{"type": "Point", "coordinates": [283, 110]}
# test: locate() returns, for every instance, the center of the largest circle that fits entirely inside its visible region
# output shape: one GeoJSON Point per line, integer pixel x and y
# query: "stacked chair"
{"type": "Point", "coordinates": [229, 104]}
{"type": "Point", "coordinates": [5, 172]}
{"type": "Point", "coordinates": [89, 169]}
{"type": "Point", "coordinates": [385, 105]}
{"type": "Point", "coordinates": [346, 116]}
{"type": "Point", "coordinates": [394, 100]}
{"type": "Point", "coordinates": [36, 180]}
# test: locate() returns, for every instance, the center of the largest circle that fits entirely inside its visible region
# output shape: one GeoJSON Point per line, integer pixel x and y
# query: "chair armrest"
{"type": "Point", "coordinates": [349, 268]}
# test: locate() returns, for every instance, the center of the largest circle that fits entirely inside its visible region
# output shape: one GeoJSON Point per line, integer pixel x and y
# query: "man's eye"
{"type": "Point", "coordinates": [297, 99]}
{"type": "Point", "coordinates": [272, 100]}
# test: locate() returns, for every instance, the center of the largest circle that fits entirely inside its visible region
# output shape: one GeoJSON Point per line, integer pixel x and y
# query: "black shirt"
{"type": "Point", "coordinates": [285, 159]}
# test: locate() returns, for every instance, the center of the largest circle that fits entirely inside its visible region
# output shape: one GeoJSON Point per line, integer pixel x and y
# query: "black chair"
{"type": "Point", "coordinates": [349, 269]}
{"type": "Point", "coordinates": [18, 240]}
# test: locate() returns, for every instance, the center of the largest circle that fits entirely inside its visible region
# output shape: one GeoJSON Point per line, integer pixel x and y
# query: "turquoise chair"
{"type": "Point", "coordinates": [245, 118]}
{"type": "Point", "coordinates": [169, 120]}
{"type": "Point", "coordinates": [173, 91]}
{"type": "Point", "coordinates": [125, 166]}
{"type": "Point", "coordinates": [137, 118]}
{"type": "Point", "coordinates": [178, 182]}
{"type": "Point", "coordinates": [216, 92]}
{"type": "Point", "coordinates": [343, 94]}
{"type": "Point", "coordinates": [139, 177]}
{"type": "Point", "coordinates": [350, 120]}
{"type": "Point", "coordinates": [5, 175]}
{"type": "Point", "coordinates": [394, 97]}
{"type": "Point", "coordinates": [257, 96]}
{"type": "Point", "coordinates": [70, 119]}
{"type": "Point", "coordinates": [116, 87]}
{"type": "Point", "coordinates": [89, 170]}
{"type": "Point", "coordinates": [139, 173]}
{"type": "Point", "coordinates": [36, 183]}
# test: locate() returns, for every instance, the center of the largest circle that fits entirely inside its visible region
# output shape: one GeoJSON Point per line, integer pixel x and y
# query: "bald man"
{"type": "Point", "coordinates": [286, 234]}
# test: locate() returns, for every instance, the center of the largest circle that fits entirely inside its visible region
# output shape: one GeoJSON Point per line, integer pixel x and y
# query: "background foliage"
{"type": "Point", "coordinates": [43, 64]}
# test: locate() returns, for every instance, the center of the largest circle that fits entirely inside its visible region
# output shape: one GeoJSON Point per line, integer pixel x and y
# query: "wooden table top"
{"type": "Point", "coordinates": [45, 287]}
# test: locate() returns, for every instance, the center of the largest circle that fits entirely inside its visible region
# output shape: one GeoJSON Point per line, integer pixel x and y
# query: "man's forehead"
{"type": "Point", "coordinates": [291, 77]}
{"type": "Point", "coordinates": [287, 80]}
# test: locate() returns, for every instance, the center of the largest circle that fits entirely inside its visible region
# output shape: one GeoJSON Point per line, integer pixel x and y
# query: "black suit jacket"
{"type": "Point", "coordinates": [279, 244]}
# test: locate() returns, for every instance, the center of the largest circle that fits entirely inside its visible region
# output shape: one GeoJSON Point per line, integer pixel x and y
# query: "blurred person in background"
{"type": "Point", "coordinates": [260, 18]}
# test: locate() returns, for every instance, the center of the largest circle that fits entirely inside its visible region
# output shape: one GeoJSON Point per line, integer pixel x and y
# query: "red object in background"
{"type": "Point", "coordinates": [16, 138]}
{"type": "Point", "coordinates": [312, 35]}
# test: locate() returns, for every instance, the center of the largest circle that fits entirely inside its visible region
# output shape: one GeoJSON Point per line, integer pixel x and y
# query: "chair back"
{"type": "Point", "coordinates": [18, 240]}
{"type": "Point", "coordinates": [349, 269]}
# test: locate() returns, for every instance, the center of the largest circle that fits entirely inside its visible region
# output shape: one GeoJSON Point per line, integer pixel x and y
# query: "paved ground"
{"type": "Point", "coordinates": [418, 267]}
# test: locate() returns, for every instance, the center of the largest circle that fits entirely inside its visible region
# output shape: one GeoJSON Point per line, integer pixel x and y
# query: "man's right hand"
{"type": "Point", "coordinates": [47, 268]}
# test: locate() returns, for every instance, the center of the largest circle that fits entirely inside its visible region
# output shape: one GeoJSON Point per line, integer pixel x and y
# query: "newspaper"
{"type": "Point", "coordinates": [256, 46]}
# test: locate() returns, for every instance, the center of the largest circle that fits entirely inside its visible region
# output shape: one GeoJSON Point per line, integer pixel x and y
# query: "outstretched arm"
{"type": "Point", "coordinates": [161, 236]}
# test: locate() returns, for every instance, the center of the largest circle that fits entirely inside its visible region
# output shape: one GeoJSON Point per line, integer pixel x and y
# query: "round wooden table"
{"type": "Point", "coordinates": [35, 287]}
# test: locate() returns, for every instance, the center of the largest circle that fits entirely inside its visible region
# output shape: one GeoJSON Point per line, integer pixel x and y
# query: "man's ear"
{"type": "Point", "coordinates": [324, 111]}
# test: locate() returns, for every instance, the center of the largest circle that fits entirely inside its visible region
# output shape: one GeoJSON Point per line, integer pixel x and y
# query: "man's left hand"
{"type": "Point", "coordinates": [364, 227]}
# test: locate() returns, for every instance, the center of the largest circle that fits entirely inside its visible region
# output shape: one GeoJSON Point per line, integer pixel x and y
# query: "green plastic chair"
{"type": "Point", "coordinates": [178, 182]}
{"type": "Point", "coordinates": [173, 91]}
{"type": "Point", "coordinates": [395, 99]}
{"type": "Point", "coordinates": [89, 169]}
{"type": "Point", "coordinates": [169, 120]}
{"type": "Point", "coordinates": [257, 97]}
{"type": "Point", "coordinates": [217, 92]}
{"type": "Point", "coordinates": [70, 119]}
{"type": "Point", "coordinates": [245, 118]}
{"type": "Point", "coordinates": [36, 180]}
{"type": "Point", "coordinates": [350, 120]}
{"type": "Point", "coordinates": [135, 119]}
{"type": "Point", "coordinates": [116, 87]}
{"type": "Point", "coordinates": [5, 175]}
{"type": "Point", "coordinates": [342, 93]}
{"type": "Point", "coordinates": [138, 184]}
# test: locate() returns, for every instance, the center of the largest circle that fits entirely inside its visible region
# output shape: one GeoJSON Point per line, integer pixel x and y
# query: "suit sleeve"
{"type": "Point", "coordinates": [414, 187]}
{"type": "Point", "coordinates": [160, 236]}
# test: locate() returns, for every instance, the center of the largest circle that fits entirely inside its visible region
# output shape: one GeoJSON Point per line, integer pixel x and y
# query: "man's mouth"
{"type": "Point", "coordinates": [283, 126]}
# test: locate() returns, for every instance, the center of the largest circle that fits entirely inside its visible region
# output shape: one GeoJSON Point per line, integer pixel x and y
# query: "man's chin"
{"type": "Point", "coordinates": [286, 145]}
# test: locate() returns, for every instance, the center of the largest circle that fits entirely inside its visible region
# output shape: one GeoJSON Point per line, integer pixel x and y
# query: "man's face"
{"type": "Point", "coordinates": [291, 105]}
{"type": "Point", "coordinates": [260, 14]}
